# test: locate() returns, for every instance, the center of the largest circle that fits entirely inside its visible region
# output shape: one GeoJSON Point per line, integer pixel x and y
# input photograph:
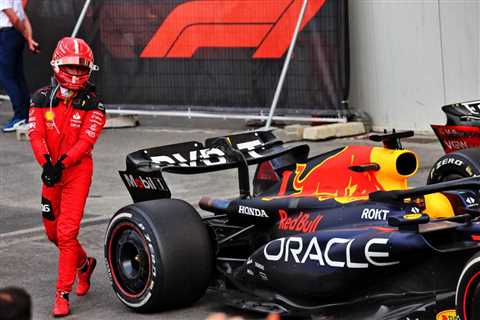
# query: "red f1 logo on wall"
{"type": "Point", "coordinates": [266, 25]}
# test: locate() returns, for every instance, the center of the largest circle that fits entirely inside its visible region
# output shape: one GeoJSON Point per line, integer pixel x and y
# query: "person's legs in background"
{"type": "Point", "coordinates": [24, 106]}
{"type": "Point", "coordinates": [12, 78]}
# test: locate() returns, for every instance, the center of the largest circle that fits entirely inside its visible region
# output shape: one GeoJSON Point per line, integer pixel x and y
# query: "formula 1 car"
{"type": "Point", "coordinates": [460, 139]}
{"type": "Point", "coordinates": [338, 234]}
{"type": "Point", "coordinates": [462, 130]}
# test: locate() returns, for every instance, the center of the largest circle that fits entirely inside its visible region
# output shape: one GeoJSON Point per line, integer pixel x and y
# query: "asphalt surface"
{"type": "Point", "coordinates": [30, 261]}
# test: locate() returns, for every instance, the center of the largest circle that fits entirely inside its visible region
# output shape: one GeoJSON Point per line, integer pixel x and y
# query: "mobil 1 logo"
{"type": "Point", "coordinates": [143, 182]}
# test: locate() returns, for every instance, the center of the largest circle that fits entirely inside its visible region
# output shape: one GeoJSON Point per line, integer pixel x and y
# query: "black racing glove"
{"type": "Point", "coordinates": [52, 173]}
{"type": "Point", "coordinates": [59, 166]}
{"type": "Point", "coordinates": [48, 172]}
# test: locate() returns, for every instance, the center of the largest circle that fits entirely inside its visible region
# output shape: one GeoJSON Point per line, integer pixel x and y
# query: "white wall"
{"type": "Point", "coordinates": [410, 57]}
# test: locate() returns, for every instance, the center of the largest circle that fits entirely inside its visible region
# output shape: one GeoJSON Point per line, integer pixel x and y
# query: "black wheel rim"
{"type": "Point", "coordinates": [129, 260]}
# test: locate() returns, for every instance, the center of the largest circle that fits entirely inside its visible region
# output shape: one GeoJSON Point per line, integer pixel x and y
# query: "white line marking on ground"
{"type": "Point", "coordinates": [40, 228]}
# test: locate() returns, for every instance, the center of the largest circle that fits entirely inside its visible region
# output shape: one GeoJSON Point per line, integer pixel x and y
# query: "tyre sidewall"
{"type": "Point", "coordinates": [180, 249]}
{"type": "Point", "coordinates": [467, 287]}
{"type": "Point", "coordinates": [463, 163]}
{"type": "Point", "coordinates": [185, 248]}
{"type": "Point", "coordinates": [143, 302]}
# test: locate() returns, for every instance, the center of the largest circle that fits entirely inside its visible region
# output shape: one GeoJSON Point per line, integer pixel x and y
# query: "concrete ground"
{"type": "Point", "coordinates": [28, 260]}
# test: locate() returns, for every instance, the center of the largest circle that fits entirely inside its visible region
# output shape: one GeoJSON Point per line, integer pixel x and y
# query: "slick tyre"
{"type": "Point", "coordinates": [455, 165]}
{"type": "Point", "coordinates": [158, 254]}
{"type": "Point", "coordinates": [467, 298]}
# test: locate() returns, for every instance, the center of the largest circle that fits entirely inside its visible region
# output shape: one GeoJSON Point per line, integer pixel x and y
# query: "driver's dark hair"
{"type": "Point", "coordinates": [15, 304]}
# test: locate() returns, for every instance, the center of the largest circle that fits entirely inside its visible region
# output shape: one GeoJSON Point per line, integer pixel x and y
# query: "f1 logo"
{"type": "Point", "coordinates": [266, 25]}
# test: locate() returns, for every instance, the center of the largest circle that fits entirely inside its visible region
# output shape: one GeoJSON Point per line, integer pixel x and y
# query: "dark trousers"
{"type": "Point", "coordinates": [12, 78]}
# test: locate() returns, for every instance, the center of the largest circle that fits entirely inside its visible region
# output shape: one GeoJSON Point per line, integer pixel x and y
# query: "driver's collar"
{"type": "Point", "coordinates": [65, 93]}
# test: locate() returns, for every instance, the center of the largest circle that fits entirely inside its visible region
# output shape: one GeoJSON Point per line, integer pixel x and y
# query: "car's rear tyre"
{"type": "Point", "coordinates": [467, 297]}
{"type": "Point", "coordinates": [158, 254]}
{"type": "Point", "coordinates": [455, 165]}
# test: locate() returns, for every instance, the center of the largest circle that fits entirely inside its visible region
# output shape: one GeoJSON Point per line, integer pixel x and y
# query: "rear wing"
{"type": "Point", "coordinates": [143, 175]}
{"type": "Point", "coordinates": [463, 113]}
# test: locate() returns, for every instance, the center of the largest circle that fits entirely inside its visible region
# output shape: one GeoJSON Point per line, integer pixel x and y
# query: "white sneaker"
{"type": "Point", "coordinates": [22, 127]}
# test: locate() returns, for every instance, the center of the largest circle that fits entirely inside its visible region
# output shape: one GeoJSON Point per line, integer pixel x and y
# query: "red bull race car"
{"type": "Point", "coordinates": [339, 235]}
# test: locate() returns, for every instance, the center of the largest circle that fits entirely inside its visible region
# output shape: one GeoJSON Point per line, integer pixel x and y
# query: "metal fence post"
{"type": "Point", "coordinates": [278, 91]}
{"type": "Point", "coordinates": [80, 18]}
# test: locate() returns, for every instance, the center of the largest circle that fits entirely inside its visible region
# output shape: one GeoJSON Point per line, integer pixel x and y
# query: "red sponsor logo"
{"type": "Point", "coordinates": [301, 223]}
{"type": "Point", "coordinates": [139, 183]}
{"type": "Point", "coordinates": [455, 138]}
{"type": "Point", "coordinates": [143, 182]}
{"type": "Point", "coordinates": [266, 25]}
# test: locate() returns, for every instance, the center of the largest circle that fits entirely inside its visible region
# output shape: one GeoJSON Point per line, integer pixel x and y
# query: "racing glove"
{"type": "Point", "coordinates": [59, 166]}
{"type": "Point", "coordinates": [48, 172]}
{"type": "Point", "coordinates": [52, 173]}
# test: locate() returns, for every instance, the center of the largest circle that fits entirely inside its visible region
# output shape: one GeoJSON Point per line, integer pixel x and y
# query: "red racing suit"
{"type": "Point", "coordinates": [69, 127]}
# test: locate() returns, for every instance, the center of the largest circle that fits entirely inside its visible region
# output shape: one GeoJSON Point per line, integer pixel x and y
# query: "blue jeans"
{"type": "Point", "coordinates": [12, 78]}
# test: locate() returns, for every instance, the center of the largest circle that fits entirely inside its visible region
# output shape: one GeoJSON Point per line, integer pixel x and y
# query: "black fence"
{"type": "Point", "coordinates": [204, 54]}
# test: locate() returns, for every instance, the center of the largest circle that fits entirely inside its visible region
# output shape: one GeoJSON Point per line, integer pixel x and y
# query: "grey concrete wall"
{"type": "Point", "coordinates": [410, 57]}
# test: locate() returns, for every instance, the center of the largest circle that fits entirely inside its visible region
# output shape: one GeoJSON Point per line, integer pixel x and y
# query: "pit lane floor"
{"type": "Point", "coordinates": [28, 260]}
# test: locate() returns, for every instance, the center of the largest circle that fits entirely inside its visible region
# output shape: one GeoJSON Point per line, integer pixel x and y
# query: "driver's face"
{"type": "Point", "coordinates": [75, 70]}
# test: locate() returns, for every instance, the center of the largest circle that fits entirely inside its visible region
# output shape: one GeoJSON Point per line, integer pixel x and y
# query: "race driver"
{"type": "Point", "coordinates": [65, 120]}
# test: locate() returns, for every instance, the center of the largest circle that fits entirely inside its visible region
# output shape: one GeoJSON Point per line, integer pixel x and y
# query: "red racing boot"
{"type": "Point", "coordinates": [61, 308]}
{"type": "Point", "coordinates": [84, 274]}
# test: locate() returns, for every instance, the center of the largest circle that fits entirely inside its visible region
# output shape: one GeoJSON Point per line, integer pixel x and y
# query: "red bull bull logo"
{"type": "Point", "coordinates": [332, 177]}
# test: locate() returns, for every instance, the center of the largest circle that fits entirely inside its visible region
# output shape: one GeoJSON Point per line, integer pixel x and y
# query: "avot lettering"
{"type": "Point", "coordinates": [207, 156]}
{"type": "Point", "coordinates": [252, 211]}
{"type": "Point", "coordinates": [293, 249]}
{"type": "Point", "coordinates": [250, 146]}
{"type": "Point", "coordinates": [374, 214]}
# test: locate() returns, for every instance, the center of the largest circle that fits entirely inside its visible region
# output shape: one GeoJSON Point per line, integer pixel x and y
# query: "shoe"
{"type": "Point", "coordinates": [84, 274]}
{"type": "Point", "coordinates": [13, 124]}
{"type": "Point", "coordinates": [23, 127]}
{"type": "Point", "coordinates": [61, 308]}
